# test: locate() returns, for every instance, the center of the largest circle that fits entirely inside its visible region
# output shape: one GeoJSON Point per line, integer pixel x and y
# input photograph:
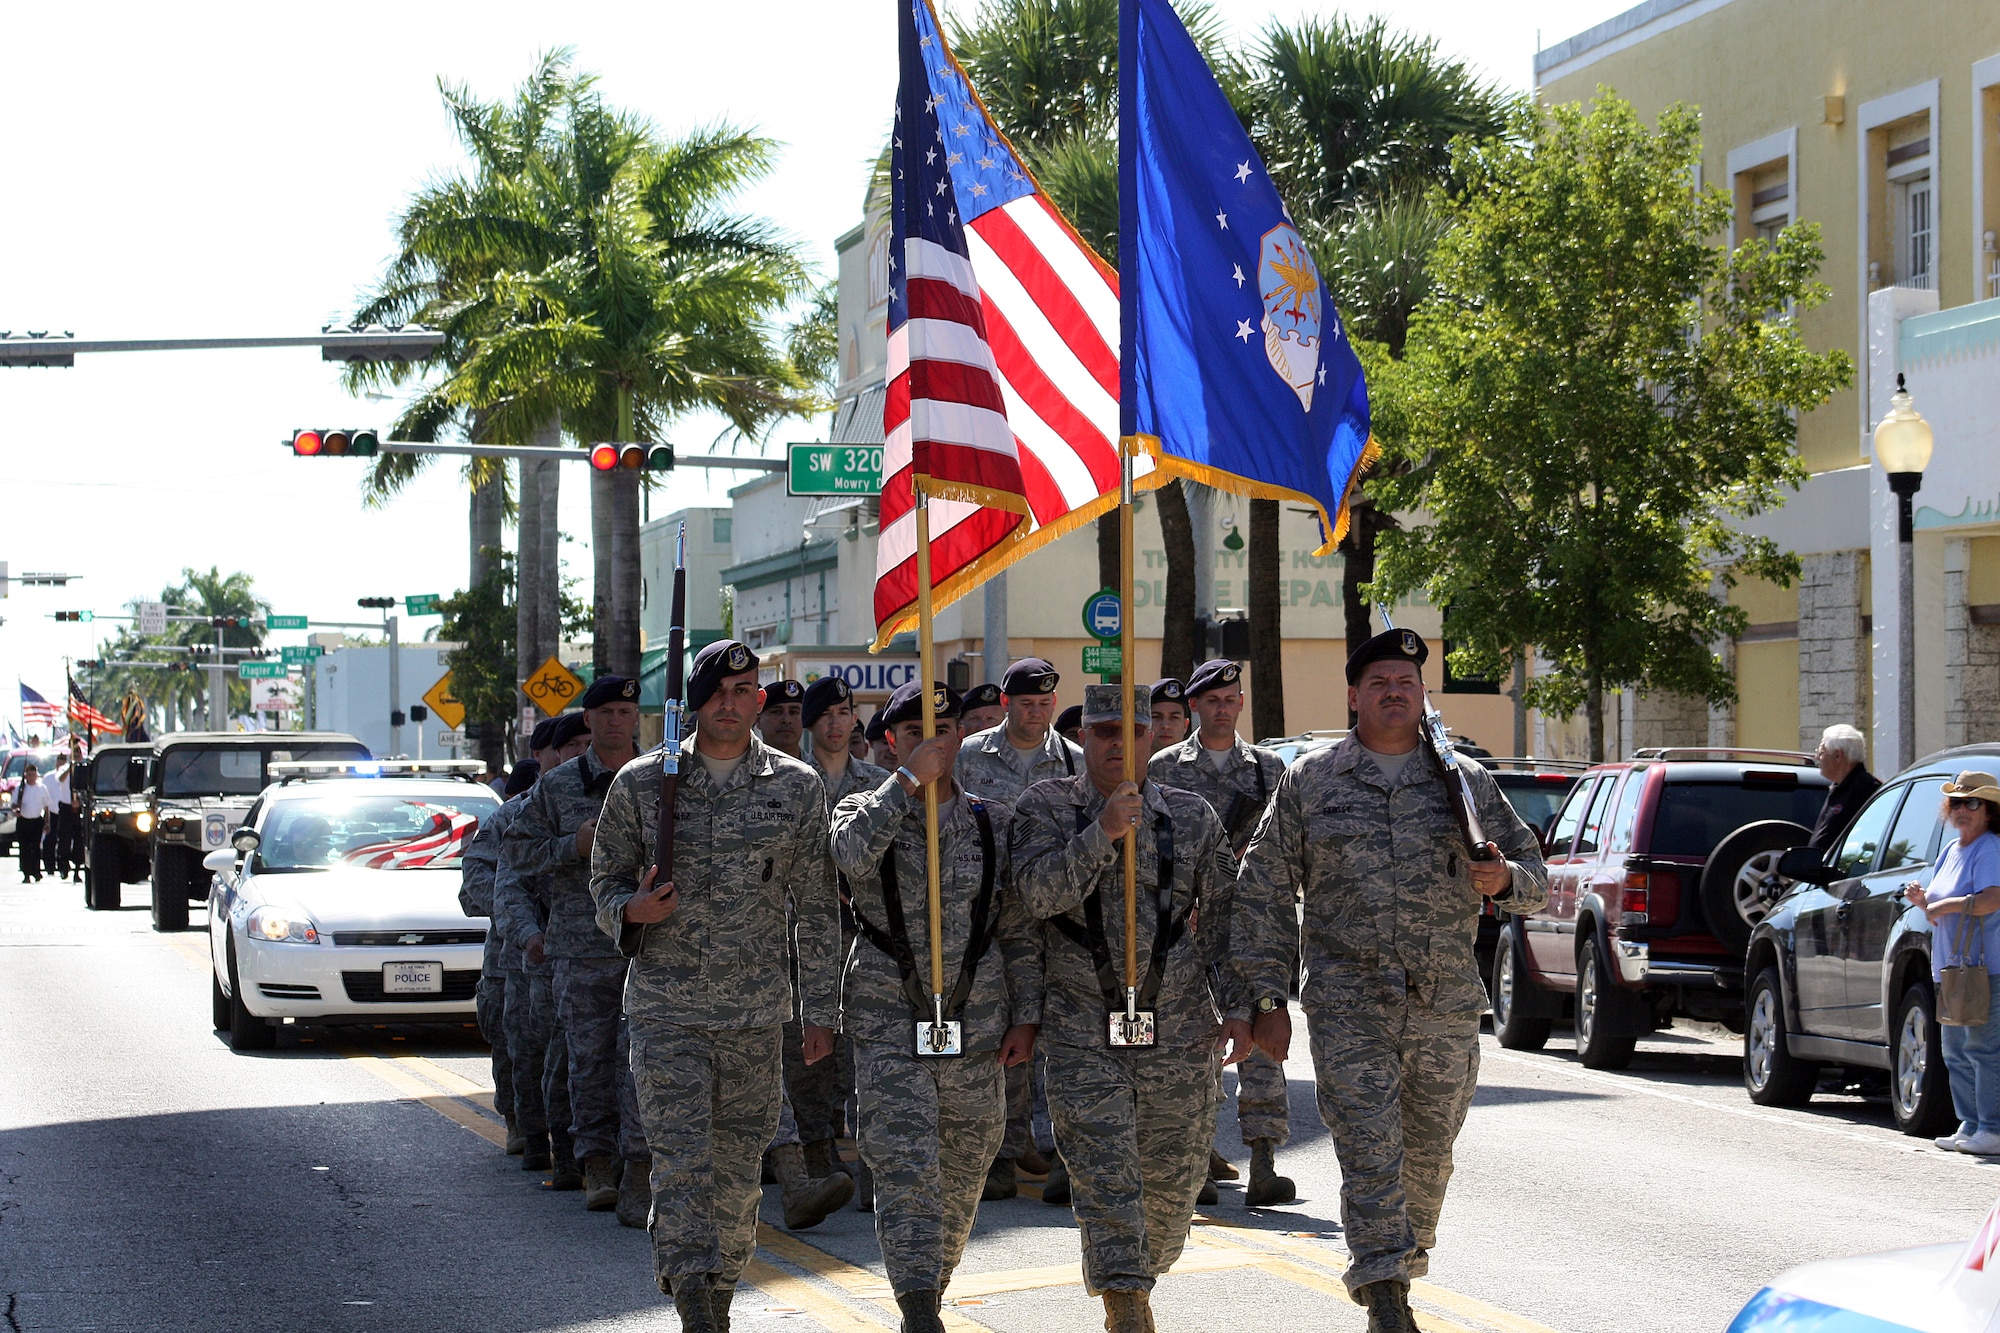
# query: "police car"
{"type": "Point", "coordinates": [337, 899]}
{"type": "Point", "coordinates": [1951, 1288]}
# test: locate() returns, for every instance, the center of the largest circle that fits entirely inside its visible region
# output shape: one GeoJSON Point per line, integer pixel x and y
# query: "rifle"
{"type": "Point", "coordinates": [670, 755]}
{"type": "Point", "coordinates": [1464, 809]}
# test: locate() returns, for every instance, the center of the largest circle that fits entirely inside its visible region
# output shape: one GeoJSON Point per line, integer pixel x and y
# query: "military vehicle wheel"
{"type": "Point", "coordinates": [103, 875]}
{"type": "Point", "coordinates": [170, 889]}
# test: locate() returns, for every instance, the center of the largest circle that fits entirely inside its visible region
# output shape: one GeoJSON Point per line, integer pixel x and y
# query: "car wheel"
{"type": "Point", "coordinates": [1919, 1088]}
{"type": "Point", "coordinates": [247, 1032]}
{"type": "Point", "coordinates": [102, 887]}
{"type": "Point", "coordinates": [1737, 890]}
{"type": "Point", "coordinates": [1516, 1029]}
{"type": "Point", "coordinates": [218, 1003]}
{"type": "Point", "coordinates": [1607, 1029]}
{"type": "Point", "coordinates": [170, 902]}
{"type": "Point", "coordinates": [1773, 1075]}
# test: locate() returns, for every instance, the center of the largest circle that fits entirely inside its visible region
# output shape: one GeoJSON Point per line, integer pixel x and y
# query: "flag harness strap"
{"type": "Point", "coordinates": [893, 937]}
{"type": "Point", "coordinates": [1167, 929]}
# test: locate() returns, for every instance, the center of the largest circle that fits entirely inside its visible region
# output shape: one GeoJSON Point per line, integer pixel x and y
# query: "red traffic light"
{"type": "Point", "coordinates": [604, 457]}
{"type": "Point", "coordinates": [335, 443]}
{"type": "Point", "coordinates": [307, 443]}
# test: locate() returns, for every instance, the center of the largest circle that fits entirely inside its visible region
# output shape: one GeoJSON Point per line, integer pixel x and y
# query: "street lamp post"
{"type": "Point", "coordinates": [1903, 448]}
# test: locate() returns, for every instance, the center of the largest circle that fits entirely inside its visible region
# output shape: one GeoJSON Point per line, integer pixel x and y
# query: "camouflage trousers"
{"type": "Point", "coordinates": [539, 1055]}
{"type": "Point", "coordinates": [710, 1101]}
{"type": "Point", "coordinates": [928, 1130]}
{"type": "Point", "coordinates": [1263, 1105]}
{"type": "Point", "coordinates": [1134, 1129]}
{"type": "Point", "coordinates": [1395, 1081]}
{"type": "Point", "coordinates": [1027, 1107]}
{"type": "Point", "coordinates": [604, 1110]}
{"type": "Point", "coordinates": [817, 1093]}
{"type": "Point", "coordinates": [490, 1009]}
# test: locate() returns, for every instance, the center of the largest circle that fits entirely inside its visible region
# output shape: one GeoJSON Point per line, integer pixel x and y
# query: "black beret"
{"type": "Point", "coordinates": [907, 703]}
{"type": "Point", "coordinates": [1070, 719]}
{"type": "Point", "coordinates": [724, 657]}
{"type": "Point", "coordinates": [567, 728]}
{"type": "Point", "coordinates": [783, 692]}
{"type": "Point", "coordinates": [821, 695]}
{"type": "Point", "coordinates": [981, 696]}
{"type": "Point", "coordinates": [538, 739]}
{"type": "Point", "coordinates": [1391, 645]}
{"type": "Point", "coordinates": [1169, 691]}
{"type": "Point", "coordinates": [1030, 675]}
{"type": "Point", "coordinates": [1214, 674]}
{"type": "Point", "coordinates": [522, 776]}
{"type": "Point", "coordinates": [878, 726]}
{"type": "Point", "coordinates": [611, 690]}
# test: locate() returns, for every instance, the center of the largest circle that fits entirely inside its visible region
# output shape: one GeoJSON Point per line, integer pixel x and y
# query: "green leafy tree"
{"type": "Point", "coordinates": [1594, 390]}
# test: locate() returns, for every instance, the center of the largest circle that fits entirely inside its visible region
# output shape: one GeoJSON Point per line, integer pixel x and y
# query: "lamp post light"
{"type": "Point", "coordinates": [1903, 448]}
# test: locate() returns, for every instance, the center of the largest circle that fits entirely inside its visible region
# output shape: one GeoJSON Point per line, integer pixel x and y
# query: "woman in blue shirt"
{"type": "Point", "coordinates": [1963, 904]}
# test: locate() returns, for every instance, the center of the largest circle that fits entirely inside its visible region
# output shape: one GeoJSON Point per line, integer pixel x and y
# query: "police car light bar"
{"type": "Point", "coordinates": [302, 769]}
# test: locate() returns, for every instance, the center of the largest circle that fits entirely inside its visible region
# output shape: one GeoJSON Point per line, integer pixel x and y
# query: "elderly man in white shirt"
{"type": "Point", "coordinates": [62, 841]}
{"type": "Point", "coordinates": [32, 807]}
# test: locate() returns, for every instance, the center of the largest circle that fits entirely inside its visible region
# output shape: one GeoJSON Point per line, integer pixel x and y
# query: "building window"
{"type": "Point", "coordinates": [878, 270]}
{"type": "Point", "coordinates": [1912, 205]}
{"type": "Point", "coordinates": [1913, 232]}
{"type": "Point", "coordinates": [1771, 200]}
{"type": "Point", "coordinates": [719, 529]}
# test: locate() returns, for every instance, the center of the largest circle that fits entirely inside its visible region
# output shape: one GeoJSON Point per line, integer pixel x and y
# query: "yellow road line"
{"type": "Point", "coordinates": [860, 1282]}
{"type": "Point", "coordinates": [451, 1108]}
{"type": "Point", "coordinates": [833, 1313]}
{"type": "Point", "coordinates": [456, 1084]}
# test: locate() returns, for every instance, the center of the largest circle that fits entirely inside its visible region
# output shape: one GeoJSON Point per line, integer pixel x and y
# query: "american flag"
{"type": "Point", "coordinates": [438, 847]}
{"type": "Point", "coordinates": [35, 710]}
{"type": "Point", "coordinates": [1003, 345]}
{"type": "Point", "coordinates": [81, 713]}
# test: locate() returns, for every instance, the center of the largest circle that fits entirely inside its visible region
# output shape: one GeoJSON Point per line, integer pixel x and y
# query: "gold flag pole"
{"type": "Point", "coordinates": [936, 1037]}
{"type": "Point", "coordinates": [1127, 664]}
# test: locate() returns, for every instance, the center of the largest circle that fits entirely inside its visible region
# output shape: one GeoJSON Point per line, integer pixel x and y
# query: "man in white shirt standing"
{"type": "Point", "coordinates": [62, 843]}
{"type": "Point", "coordinates": [32, 807]}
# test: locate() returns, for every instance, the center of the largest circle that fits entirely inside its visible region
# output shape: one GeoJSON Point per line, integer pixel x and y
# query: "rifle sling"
{"type": "Point", "coordinates": [893, 937]}
{"type": "Point", "coordinates": [1090, 935]}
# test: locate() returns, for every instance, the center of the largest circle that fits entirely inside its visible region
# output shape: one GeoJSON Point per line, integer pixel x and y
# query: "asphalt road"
{"type": "Point", "coordinates": [151, 1179]}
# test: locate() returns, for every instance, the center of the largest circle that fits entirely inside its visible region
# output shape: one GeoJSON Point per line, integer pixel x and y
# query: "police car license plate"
{"type": "Point", "coordinates": [413, 978]}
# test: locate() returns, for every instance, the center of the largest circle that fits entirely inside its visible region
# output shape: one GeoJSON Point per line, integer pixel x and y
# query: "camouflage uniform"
{"type": "Point", "coordinates": [929, 1127]}
{"type": "Point", "coordinates": [985, 767]}
{"type": "Point", "coordinates": [1238, 793]}
{"type": "Point", "coordinates": [1392, 992]}
{"type": "Point", "coordinates": [710, 986]}
{"type": "Point", "coordinates": [535, 1042]}
{"type": "Point", "coordinates": [1134, 1125]}
{"type": "Point", "coordinates": [589, 972]}
{"type": "Point", "coordinates": [475, 898]}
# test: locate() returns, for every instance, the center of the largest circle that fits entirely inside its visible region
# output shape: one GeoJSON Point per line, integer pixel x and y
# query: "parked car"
{"type": "Point", "coordinates": [1839, 968]}
{"type": "Point", "coordinates": [115, 806]}
{"type": "Point", "coordinates": [1291, 749]}
{"type": "Point", "coordinates": [204, 781]}
{"type": "Point", "coordinates": [1535, 788]}
{"type": "Point", "coordinates": [335, 899]}
{"type": "Point", "coordinates": [11, 768]}
{"type": "Point", "coordinates": [1643, 923]}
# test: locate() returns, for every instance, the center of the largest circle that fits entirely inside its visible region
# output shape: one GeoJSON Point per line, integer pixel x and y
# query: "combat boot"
{"type": "Point", "coordinates": [1266, 1186]}
{"type": "Point", "coordinates": [1031, 1163]}
{"type": "Point", "coordinates": [920, 1312]}
{"type": "Point", "coordinates": [635, 1195]}
{"type": "Point", "coordinates": [1208, 1194]}
{"type": "Point", "coordinates": [600, 1184]}
{"type": "Point", "coordinates": [807, 1202]}
{"type": "Point", "coordinates": [822, 1159]}
{"type": "Point", "coordinates": [516, 1140]}
{"type": "Point", "coordinates": [1000, 1181]}
{"type": "Point", "coordinates": [1128, 1312]}
{"type": "Point", "coordinates": [1056, 1188]}
{"type": "Point", "coordinates": [1219, 1167]}
{"type": "Point", "coordinates": [1388, 1306]}
{"type": "Point", "coordinates": [535, 1155]}
{"type": "Point", "coordinates": [564, 1174]}
{"type": "Point", "coordinates": [693, 1302]}
{"type": "Point", "coordinates": [719, 1299]}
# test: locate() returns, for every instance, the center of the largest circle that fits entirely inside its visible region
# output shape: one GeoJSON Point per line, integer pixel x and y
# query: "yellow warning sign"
{"type": "Point", "coordinates": [553, 687]}
{"type": "Point", "coordinates": [447, 709]}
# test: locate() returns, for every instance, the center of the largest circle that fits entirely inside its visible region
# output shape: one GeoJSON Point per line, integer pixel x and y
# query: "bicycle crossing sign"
{"type": "Point", "coordinates": [553, 687]}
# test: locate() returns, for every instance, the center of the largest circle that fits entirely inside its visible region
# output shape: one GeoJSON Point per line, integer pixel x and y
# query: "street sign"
{"type": "Point", "coordinates": [1104, 660]}
{"type": "Point", "coordinates": [553, 687]}
{"type": "Point", "coordinates": [273, 696]}
{"type": "Point", "coordinates": [300, 656]}
{"type": "Point", "coordinates": [261, 670]}
{"type": "Point", "coordinates": [284, 622]}
{"type": "Point", "coordinates": [451, 740]}
{"type": "Point", "coordinates": [152, 617]}
{"type": "Point", "coordinates": [422, 604]}
{"type": "Point", "coordinates": [1103, 616]}
{"type": "Point", "coordinates": [833, 469]}
{"type": "Point", "coordinates": [448, 709]}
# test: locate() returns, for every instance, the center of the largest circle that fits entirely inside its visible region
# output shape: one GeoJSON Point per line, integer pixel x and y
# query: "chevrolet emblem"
{"type": "Point", "coordinates": [409, 939]}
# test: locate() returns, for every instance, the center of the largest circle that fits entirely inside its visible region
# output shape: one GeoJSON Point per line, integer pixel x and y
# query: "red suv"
{"type": "Point", "coordinates": [1645, 921]}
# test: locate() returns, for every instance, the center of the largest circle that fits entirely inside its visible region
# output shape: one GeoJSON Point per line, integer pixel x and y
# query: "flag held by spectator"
{"type": "Point", "coordinates": [1003, 345]}
{"type": "Point", "coordinates": [1236, 370]}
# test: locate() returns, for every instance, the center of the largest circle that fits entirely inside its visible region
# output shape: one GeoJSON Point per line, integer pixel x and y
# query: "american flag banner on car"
{"type": "Point", "coordinates": [1003, 346]}
{"type": "Point", "coordinates": [445, 841]}
{"type": "Point", "coordinates": [37, 711]}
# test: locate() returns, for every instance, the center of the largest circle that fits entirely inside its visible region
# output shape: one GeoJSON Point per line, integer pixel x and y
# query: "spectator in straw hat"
{"type": "Point", "coordinates": [1963, 904]}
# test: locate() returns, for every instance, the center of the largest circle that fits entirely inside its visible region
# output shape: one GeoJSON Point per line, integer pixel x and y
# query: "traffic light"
{"type": "Point", "coordinates": [632, 457]}
{"type": "Point", "coordinates": [335, 443]}
{"type": "Point", "coordinates": [229, 622]}
{"type": "Point", "coordinates": [89, 663]}
{"type": "Point", "coordinates": [76, 615]}
{"type": "Point", "coordinates": [419, 714]}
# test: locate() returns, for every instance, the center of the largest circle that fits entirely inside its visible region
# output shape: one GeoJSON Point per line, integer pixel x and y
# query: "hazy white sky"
{"type": "Point", "coordinates": [214, 170]}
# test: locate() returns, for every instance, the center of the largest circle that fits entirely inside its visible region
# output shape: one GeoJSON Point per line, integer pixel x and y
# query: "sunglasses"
{"type": "Point", "coordinates": [1966, 802]}
{"type": "Point", "coordinates": [1111, 731]}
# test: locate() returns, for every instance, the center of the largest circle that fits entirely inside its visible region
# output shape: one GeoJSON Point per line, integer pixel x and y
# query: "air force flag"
{"type": "Point", "coordinates": [1235, 369]}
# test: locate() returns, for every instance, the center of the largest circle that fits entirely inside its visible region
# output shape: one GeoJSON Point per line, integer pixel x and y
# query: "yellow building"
{"type": "Point", "coordinates": [1881, 123]}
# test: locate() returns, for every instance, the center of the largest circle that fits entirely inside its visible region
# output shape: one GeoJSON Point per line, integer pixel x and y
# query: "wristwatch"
{"type": "Point", "coordinates": [1266, 1004]}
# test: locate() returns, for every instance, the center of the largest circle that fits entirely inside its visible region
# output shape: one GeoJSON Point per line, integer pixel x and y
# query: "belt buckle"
{"type": "Point", "coordinates": [938, 1039]}
{"type": "Point", "coordinates": [1136, 1031]}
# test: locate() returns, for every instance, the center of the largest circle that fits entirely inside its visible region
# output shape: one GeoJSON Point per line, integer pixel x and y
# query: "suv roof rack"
{"type": "Point", "coordinates": [304, 770]}
{"type": "Point", "coordinates": [1529, 761]}
{"type": "Point", "coordinates": [1673, 752]}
